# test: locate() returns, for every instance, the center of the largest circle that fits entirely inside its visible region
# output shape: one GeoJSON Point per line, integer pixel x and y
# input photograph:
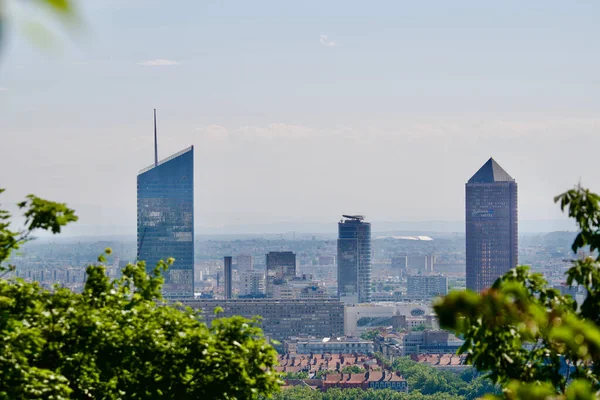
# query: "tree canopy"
{"type": "Point", "coordinates": [118, 339]}
{"type": "Point", "coordinates": [534, 341]}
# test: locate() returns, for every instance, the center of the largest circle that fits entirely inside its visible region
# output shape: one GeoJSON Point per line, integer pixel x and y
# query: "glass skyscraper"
{"type": "Point", "coordinates": [491, 225]}
{"type": "Point", "coordinates": [354, 260]}
{"type": "Point", "coordinates": [165, 220]}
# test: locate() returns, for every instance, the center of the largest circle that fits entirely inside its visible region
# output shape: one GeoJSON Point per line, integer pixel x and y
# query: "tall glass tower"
{"type": "Point", "coordinates": [354, 260]}
{"type": "Point", "coordinates": [165, 220]}
{"type": "Point", "coordinates": [491, 225]}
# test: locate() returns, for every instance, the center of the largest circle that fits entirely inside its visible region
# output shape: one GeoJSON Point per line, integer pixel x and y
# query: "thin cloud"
{"type": "Point", "coordinates": [2, 89]}
{"type": "Point", "coordinates": [159, 62]}
{"type": "Point", "coordinates": [326, 42]}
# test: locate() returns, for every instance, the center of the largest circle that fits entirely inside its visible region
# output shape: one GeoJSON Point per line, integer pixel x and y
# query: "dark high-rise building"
{"type": "Point", "coordinates": [227, 273]}
{"type": "Point", "coordinates": [354, 260]}
{"type": "Point", "coordinates": [165, 220]}
{"type": "Point", "coordinates": [281, 268]}
{"type": "Point", "coordinates": [491, 225]}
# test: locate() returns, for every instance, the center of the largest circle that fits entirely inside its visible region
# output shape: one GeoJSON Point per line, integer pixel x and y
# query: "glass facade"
{"type": "Point", "coordinates": [354, 261]}
{"type": "Point", "coordinates": [491, 226]}
{"type": "Point", "coordinates": [165, 220]}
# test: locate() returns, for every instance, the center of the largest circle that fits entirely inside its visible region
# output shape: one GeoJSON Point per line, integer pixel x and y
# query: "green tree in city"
{"type": "Point", "coordinates": [421, 328]}
{"type": "Point", "coordinates": [295, 375]}
{"type": "Point", "coordinates": [523, 334]}
{"type": "Point", "coordinates": [369, 334]}
{"type": "Point", "coordinates": [118, 339]}
{"type": "Point", "coordinates": [353, 369]}
{"type": "Point", "coordinates": [306, 393]}
{"type": "Point", "coordinates": [321, 373]}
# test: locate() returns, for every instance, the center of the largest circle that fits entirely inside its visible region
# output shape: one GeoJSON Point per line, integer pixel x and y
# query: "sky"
{"type": "Point", "coordinates": [301, 111]}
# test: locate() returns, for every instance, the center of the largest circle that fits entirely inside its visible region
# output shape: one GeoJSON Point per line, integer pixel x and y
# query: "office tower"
{"type": "Point", "coordinates": [281, 268]}
{"type": "Point", "coordinates": [354, 260]}
{"type": "Point", "coordinates": [228, 293]}
{"type": "Point", "coordinates": [400, 266]}
{"type": "Point", "coordinates": [244, 262]}
{"type": "Point", "coordinates": [491, 225]}
{"type": "Point", "coordinates": [426, 286]}
{"type": "Point", "coordinates": [165, 219]}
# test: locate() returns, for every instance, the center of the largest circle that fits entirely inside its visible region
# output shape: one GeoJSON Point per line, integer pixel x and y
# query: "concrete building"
{"type": "Point", "coordinates": [384, 314]}
{"type": "Point", "coordinates": [399, 266]}
{"type": "Point", "coordinates": [338, 345]}
{"type": "Point", "coordinates": [491, 225]}
{"type": "Point", "coordinates": [326, 260]}
{"type": "Point", "coordinates": [280, 268]}
{"type": "Point", "coordinates": [244, 262]}
{"type": "Point", "coordinates": [431, 342]}
{"type": "Point", "coordinates": [282, 319]}
{"type": "Point", "coordinates": [421, 263]}
{"type": "Point", "coordinates": [426, 286]}
{"type": "Point", "coordinates": [227, 272]}
{"type": "Point", "coordinates": [252, 283]}
{"type": "Point", "coordinates": [354, 260]}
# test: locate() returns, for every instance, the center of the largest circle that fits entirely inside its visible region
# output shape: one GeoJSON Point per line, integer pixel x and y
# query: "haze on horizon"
{"type": "Point", "coordinates": [304, 111]}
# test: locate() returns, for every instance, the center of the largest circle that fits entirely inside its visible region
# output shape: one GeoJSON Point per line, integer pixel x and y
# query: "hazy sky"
{"type": "Point", "coordinates": [304, 110]}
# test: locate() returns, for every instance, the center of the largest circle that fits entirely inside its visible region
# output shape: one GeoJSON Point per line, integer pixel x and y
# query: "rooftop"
{"type": "Point", "coordinates": [491, 172]}
{"type": "Point", "coordinates": [164, 160]}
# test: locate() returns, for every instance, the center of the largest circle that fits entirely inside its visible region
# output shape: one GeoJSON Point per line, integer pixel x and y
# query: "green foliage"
{"type": "Point", "coordinates": [306, 393]}
{"type": "Point", "coordinates": [118, 339]}
{"type": "Point", "coordinates": [295, 375]}
{"type": "Point", "coordinates": [421, 328]}
{"type": "Point", "coordinates": [522, 332]}
{"type": "Point", "coordinates": [321, 373]}
{"type": "Point", "coordinates": [353, 369]}
{"type": "Point", "coordinates": [369, 335]}
{"type": "Point", "coordinates": [429, 381]}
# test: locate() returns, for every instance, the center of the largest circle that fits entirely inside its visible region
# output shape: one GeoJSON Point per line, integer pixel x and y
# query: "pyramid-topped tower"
{"type": "Point", "coordinates": [491, 172]}
{"type": "Point", "coordinates": [491, 225]}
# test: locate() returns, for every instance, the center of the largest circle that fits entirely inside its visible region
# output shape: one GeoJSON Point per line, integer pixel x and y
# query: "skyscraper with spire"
{"type": "Point", "coordinates": [165, 218]}
{"type": "Point", "coordinates": [491, 225]}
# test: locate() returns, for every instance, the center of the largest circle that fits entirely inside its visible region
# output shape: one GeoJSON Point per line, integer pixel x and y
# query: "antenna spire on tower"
{"type": "Point", "coordinates": [155, 142]}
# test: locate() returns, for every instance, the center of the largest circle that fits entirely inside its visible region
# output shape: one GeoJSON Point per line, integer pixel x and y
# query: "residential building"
{"type": "Point", "coordinates": [280, 268]}
{"type": "Point", "coordinates": [399, 266]}
{"type": "Point", "coordinates": [281, 319]}
{"type": "Point", "coordinates": [354, 260]}
{"type": "Point", "coordinates": [362, 317]}
{"type": "Point", "coordinates": [491, 225]}
{"type": "Point", "coordinates": [421, 263]}
{"type": "Point", "coordinates": [369, 380]}
{"type": "Point", "coordinates": [426, 286]}
{"type": "Point", "coordinates": [443, 362]}
{"type": "Point", "coordinates": [244, 262]}
{"type": "Point", "coordinates": [165, 220]}
{"type": "Point", "coordinates": [338, 345]}
{"type": "Point", "coordinates": [252, 283]}
{"type": "Point", "coordinates": [326, 260]}
{"type": "Point", "coordinates": [430, 342]}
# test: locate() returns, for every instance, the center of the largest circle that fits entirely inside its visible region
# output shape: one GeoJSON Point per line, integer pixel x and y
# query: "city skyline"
{"type": "Point", "coordinates": [277, 117]}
